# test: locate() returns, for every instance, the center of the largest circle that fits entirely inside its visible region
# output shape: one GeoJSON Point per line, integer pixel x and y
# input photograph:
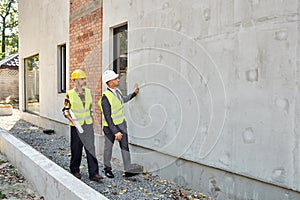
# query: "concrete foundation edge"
{"type": "Point", "coordinates": [214, 182]}
{"type": "Point", "coordinates": [49, 180]}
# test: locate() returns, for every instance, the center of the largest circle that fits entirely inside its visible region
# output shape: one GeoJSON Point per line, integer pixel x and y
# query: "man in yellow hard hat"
{"type": "Point", "coordinates": [77, 109]}
{"type": "Point", "coordinates": [114, 124]}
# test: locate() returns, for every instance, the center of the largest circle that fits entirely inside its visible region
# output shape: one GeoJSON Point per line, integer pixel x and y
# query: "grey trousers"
{"type": "Point", "coordinates": [108, 147]}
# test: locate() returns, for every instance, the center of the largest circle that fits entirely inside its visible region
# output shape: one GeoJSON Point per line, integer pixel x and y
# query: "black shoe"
{"type": "Point", "coordinates": [77, 175]}
{"type": "Point", "coordinates": [130, 174]}
{"type": "Point", "coordinates": [109, 174]}
{"type": "Point", "coordinates": [96, 178]}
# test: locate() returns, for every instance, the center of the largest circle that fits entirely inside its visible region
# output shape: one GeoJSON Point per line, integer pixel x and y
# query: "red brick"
{"type": "Point", "coordinates": [85, 50]}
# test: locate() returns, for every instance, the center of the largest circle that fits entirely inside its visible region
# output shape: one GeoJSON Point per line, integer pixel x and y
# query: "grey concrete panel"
{"type": "Point", "coordinates": [218, 84]}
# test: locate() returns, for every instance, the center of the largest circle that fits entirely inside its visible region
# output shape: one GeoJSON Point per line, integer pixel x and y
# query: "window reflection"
{"type": "Point", "coordinates": [120, 56]}
{"type": "Point", "coordinates": [32, 96]}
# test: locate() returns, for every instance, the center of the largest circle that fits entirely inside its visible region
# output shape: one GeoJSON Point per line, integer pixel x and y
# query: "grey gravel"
{"type": "Point", "coordinates": [13, 183]}
{"type": "Point", "coordinates": [143, 186]}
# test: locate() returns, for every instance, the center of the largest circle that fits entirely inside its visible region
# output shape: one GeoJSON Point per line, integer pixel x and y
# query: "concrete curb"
{"type": "Point", "coordinates": [49, 179]}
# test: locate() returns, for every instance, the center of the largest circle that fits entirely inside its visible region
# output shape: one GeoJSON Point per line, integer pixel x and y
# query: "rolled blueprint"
{"type": "Point", "coordinates": [76, 123]}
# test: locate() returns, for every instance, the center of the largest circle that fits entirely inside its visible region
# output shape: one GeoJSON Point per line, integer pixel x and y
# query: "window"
{"type": "Point", "coordinates": [32, 94]}
{"type": "Point", "coordinates": [120, 45]}
{"type": "Point", "coordinates": [61, 63]}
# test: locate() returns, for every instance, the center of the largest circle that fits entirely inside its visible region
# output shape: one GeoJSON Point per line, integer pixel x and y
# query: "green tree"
{"type": "Point", "coordinates": [8, 26]}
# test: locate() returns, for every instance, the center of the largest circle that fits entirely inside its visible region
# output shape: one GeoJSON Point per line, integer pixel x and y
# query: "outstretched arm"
{"type": "Point", "coordinates": [132, 95]}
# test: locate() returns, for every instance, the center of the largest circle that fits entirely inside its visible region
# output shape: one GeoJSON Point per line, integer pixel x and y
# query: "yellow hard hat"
{"type": "Point", "coordinates": [78, 73]}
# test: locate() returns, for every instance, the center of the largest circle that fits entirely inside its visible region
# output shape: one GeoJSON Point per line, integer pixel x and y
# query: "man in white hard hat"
{"type": "Point", "coordinates": [114, 124]}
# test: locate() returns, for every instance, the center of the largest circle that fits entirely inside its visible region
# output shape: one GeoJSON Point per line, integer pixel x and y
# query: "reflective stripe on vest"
{"type": "Point", "coordinates": [117, 108]}
{"type": "Point", "coordinates": [114, 117]}
{"type": "Point", "coordinates": [82, 113]}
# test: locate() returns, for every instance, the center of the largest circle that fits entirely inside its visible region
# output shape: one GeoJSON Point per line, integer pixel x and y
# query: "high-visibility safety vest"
{"type": "Point", "coordinates": [117, 108]}
{"type": "Point", "coordinates": [82, 114]}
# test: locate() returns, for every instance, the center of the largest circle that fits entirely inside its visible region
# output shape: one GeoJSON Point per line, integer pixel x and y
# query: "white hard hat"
{"type": "Point", "coordinates": [109, 75]}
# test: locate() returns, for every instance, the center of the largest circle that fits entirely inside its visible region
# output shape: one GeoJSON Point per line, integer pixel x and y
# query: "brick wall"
{"type": "Point", "coordinates": [9, 83]}
{"type": "Point", "coordinates": [85, 47]}
{"type": "Point", "coordinates": [78, 5]}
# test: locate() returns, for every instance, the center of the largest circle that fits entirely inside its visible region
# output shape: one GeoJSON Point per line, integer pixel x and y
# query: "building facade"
{"type": "Point", "coordinates": [44, 38]}
{"type": "Point", "coordinates": [219, 101]}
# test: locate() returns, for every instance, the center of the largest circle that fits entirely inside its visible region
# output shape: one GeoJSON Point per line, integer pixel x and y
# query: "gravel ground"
{"type": "Point", "coordinates": [143, 186]}
{"type": "Point", "coordinates": [13, 184]}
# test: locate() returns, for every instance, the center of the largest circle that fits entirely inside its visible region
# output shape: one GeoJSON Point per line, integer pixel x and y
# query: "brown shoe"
{"type": "Point", "coordinates": [96, 177]}
{"type": "Point", "coordinates": [77, 175]}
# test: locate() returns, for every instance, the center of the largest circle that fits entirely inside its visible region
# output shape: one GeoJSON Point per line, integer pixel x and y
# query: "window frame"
{"type": "Point", "coordinates": [32, 111]}
{"type": "Point", "coordinates": [117, 58]}
{"type": "Point", "coordinates": [62, 68]}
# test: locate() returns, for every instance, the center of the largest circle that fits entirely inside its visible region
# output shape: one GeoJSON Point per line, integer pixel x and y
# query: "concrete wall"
{"type": "Point", "coordinates": [219, 89]}
{"type": "Point", "coordinates": [297, 103]}
{"type": "Point", "coordinates": [43, 25]}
